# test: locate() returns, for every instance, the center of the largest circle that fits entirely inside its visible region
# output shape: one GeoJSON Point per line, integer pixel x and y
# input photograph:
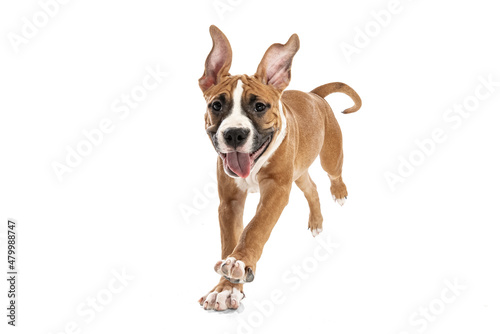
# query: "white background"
{"type": "Point", "coordinates": [121, 206]}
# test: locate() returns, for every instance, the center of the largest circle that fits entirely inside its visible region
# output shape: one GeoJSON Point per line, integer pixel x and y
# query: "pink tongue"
{"type": "Point", "coordinates": [239, 163]}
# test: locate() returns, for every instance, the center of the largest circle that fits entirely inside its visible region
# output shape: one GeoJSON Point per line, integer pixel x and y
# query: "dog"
{"type": "Point", "coordinates": [266, 138]}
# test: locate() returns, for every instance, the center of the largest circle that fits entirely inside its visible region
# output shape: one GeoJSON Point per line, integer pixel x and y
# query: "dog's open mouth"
{"type": "Point", "coordinates": [239, 163]}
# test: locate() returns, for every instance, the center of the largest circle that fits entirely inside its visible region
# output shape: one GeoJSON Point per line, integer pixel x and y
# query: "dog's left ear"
{"type": "Point", "coordinates": [275, 67]}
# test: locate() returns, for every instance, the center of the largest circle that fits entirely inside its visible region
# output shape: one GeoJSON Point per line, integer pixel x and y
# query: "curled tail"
{"type": "Point", "coordinates": [339, 87]}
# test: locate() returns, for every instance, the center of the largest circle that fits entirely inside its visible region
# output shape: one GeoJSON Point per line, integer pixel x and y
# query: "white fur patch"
{"type": "Point", "coordinates": [223, 300]}
{"type": "Point", "coordinates": [236, 119]}
{"type": "Point", "coordinates": [211, 298]}
{"type": "Point", "coordinates": [251, 183]}
{"type": "Point", "coordinates": [340, 201]}
{"type": "Point", "coordinates": [230, 262]}
{"type": "Point", "coordinates": [315, 232]}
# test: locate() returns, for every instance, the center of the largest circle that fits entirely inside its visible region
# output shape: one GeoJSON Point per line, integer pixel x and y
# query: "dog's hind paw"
{"type": "Point", "coordinates": [315, 232]}
{"type": "Point", "coordinates": [340, 201]}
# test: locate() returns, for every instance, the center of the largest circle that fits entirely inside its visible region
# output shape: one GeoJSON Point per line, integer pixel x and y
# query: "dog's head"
{"type": "Point", "coordinates": [244, 112]}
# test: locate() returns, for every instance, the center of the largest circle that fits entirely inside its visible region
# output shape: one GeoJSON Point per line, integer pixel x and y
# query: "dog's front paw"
{"type": "Point", "coordinates": [234, 270]}
{"type": "Point", "coordinates": [224, 296]}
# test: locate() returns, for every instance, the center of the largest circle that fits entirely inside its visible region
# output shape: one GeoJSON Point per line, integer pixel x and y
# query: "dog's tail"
{"type": "Point", "coordinates": [339, 87]}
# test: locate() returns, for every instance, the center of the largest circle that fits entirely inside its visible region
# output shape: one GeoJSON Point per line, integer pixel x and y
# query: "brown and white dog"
{"type": "Point", "coordinates": [266, 139]}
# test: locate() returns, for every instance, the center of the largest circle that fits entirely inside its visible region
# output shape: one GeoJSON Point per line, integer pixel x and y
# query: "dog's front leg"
{"type": "Point", "coordinates": [232, 201]}
{"type": "Point", "coordinates": [239, 266]}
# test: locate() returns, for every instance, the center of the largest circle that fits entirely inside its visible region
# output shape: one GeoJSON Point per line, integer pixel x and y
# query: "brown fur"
{"type": "Point", "coordinates": [312, 131]}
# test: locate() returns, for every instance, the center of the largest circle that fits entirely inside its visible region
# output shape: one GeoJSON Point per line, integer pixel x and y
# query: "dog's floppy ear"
{"type": "Point", "coordinates": [218, 61]}
{"type": "Point", "coordinates": [275, 67]}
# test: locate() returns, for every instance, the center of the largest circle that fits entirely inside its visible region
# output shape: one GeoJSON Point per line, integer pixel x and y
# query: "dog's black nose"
{"type": "Point", "coordinates": [236, 136]}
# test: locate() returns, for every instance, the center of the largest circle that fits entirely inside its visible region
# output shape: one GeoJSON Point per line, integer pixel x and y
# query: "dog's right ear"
{"type": "Point", "coordinates": [218, 61]}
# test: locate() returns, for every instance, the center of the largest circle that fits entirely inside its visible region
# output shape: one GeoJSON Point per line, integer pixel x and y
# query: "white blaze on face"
{"type": "Point", "coordinates": [236, 119]}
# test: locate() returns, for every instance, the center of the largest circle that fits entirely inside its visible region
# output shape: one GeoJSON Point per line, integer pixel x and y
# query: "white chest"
{"type": "Point", "coordinates": [250, 184]}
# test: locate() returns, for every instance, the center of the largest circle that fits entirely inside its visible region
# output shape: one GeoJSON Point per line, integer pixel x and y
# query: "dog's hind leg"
{"type": "Point", "coordinates": [309, 188]}
{"type": "Point", "coordinates": [332, 157]}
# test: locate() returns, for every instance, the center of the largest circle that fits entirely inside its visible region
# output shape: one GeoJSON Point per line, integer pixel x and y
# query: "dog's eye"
{"type": "Point", "coordinates": [217, 106]}
{"type": "Point", "coordinates": [259, 107]}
